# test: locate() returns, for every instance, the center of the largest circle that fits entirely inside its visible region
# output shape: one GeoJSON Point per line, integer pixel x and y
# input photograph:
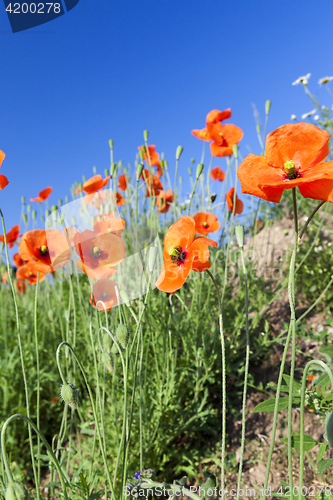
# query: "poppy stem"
{"type": "Point", "coordinates": [224, 389]}
{"type": "Point", "coordinates": [313, 213]}
{"type": "Point", "coordinates": [21, 353]}
{"type": "Point", "coordinates": [37, 375]}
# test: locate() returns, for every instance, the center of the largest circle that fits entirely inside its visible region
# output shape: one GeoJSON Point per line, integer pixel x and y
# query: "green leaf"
{"type": "Point", "coordinates": [269, 404]}
{"type": "Point", "coordinates": [327, 349]}
{"type": "Point", "coordinates": [210, 484]}
{"type": "Point", "coordinates": [296, 385]}
{"type": "Point", "coordinates": [323, 465]}
{"type": "Point", "coordinates": [322, 449]}
{"type": "Point", "coordinates": [308, 441]}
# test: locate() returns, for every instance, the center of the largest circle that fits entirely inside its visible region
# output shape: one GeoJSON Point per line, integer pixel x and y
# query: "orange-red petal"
{"type": "Point", "coordinates": [3, 181]}
{"type": "Point", "coordinates": [180, 234]}
{"type": "Point", "coordinates": [200, 252]}
{"type": "Point", "coordinates": [303, 143]}
{"type": "Point", "coordinates": [173, 276]}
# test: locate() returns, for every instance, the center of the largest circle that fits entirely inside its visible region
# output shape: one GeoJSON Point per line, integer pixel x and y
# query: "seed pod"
{"type": "Point", "coordinates": [145, 135]}
{"type": "Point", "coordinates": [114, 349]}
{"type": "Point", "coordinates": [329, 429]}
{"type": "Point", "coordinates": [107, 342]}
{"type": "Point", "coordinates": [16, 491]}
{"type": "Point", "coordinates": [107, 361]}
{"type": "Point", "coordinates": [139, 171]}
{"type": "Point", "coordinates": [122, 335]}
{"type": "Point", "coordinates": [68, 393]}
{"type": "Point", "coordinates": [200, 168]}
{"type": "Point", "coordinates": [179, 152]}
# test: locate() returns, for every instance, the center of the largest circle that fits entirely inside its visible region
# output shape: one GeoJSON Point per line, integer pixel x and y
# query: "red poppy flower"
{"type": "Point", "coordinates": [104, 290]}
{"type": "Point", "coordinates": [167, 199]}
{"type": "Point", "coordinates": [122, 182]}
{"type": "Point", "coordinates": [230, 202]}
{"type": "Point", "coordinates": [152, 158]}
{"type": "Point", "coordinates": [217, 174]}
{"type": "Point", "coordinates": [42, 195]}
{"type": "Point", "coordinates": [49, 247]}
{"type": "Point", "coordinates": [182, 253]}
{"type": "Point", "coordinates": [120, 200]}
{"type": "Point", "coordinates": [11, 236]}
{"type": "Point", "coordinates": [21, 286]}
{"type": "Point", "coordinates": [3, 181]}
{"type": "Point", "coordinates": [212, 118]}
{"type": "Point", "coordinates": [29, 272]}
{"type": "Point", "coordinates": [98, 253]}
{"type": "Point", "coordinates": [2, 157]}
{"type": "Point", "coordinates": [78, 190]}
{"type": "Point", "coordinates": [17, 260]}
{"type": "Point", "coordinates": [154, 185]}
{"type": "Point", "coordinates": [4, 277]}
{"type": "Point", "coordinates": [294, 158]}
{"type": "Point", "coordinates": [224, 137]}
{"type": "Point", "coordinates": [95, 183]}
{"type": "Point", "coordinates": [113, 225]}
{"type": "Point", "coordinates": [205, 223]}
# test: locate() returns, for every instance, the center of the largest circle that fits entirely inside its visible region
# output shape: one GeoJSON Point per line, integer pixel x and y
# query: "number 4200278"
{"type": "Point", "coordinates": [34, 8]}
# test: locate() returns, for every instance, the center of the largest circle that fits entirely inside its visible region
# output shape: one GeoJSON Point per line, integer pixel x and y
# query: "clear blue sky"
{"type": "Point", "coordinates": [110, 69]}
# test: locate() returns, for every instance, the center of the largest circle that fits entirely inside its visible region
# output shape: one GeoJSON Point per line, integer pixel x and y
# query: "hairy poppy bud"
{"type": "Point", "coordinates": [240, 236]}
{"type": "Point", "coordinates": [111, 143]}
{"type": "Point", "coordinates": [34, 215]}
{"type": "Point", "coordinates": [267, 107]}
{"type": "Point", "coordinates": [139, 171]}
{"type": "Point", "coordinates": [25, 218]}
{"type": "Point", "coordinates": [113, 169]}
{"type": "Point", "coordinates": [16, 491]}
{"type": "Point", "coordinates": [145, 135]}
{"type": "Point", "coordinates": [106, 172]}
{"type": "Point", "coordinates": [122, 335]}
{"type": "Point", "coordinates": [23, 200]}
{"type": "Point", "coordinates": [68, 393]}
{"type": "Point", "coordinates": [179, 151]}
{"type": "Point", "coordinates": [200, 168]}
{"type": "Point", "coordinates": [106, 342]}
{"type": "Point", "coordinates": [235, 150]}
{"type": "Point", "coordinates": [165, 165]}
{"type": "Point", "coordinates": [107, 361]}
{"type": "Point", "coordinates": [94, 170]}
{"type": "Point", "coordinates": [329, 429]}
{"type": "Point", "coordinates": [124, 296]}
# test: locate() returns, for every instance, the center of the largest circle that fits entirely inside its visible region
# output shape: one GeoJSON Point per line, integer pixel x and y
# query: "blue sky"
{"type": "Point", "coordinates": [110, 69]}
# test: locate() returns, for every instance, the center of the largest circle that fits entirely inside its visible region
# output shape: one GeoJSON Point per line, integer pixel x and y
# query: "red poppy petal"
{"type": "Point", "coordinates": [180, 234]}
{"type": "Point", "coordinates": [254, 170]}
{"type": "Point", "coordinates": [3, 181]}
{"type": "Point", "coordinates": [303, 143]}
{"type": "Point", "coordinates": [173, 276]}
{"type": "Point", "coordinates": [2, 157]}
{"type": "Point", "coordinates": [220, 151]}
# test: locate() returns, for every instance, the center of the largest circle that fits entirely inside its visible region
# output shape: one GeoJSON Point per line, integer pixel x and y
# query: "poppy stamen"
{"type": "Point", "coordinates": [205, 224]}
{"type": "Point", "coordinates": [43, 250]}
{"type": "Point", "coordinates": [105, 295]}
{"type": "Point", "coordinates": [95, 252]}
{"type": "Point", "coordinates": [177, 255]}
{"type": "Point", "coordinates": [290, 170]}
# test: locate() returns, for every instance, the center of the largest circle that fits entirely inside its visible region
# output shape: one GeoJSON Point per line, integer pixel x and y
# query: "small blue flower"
{"type": "Point", "coordinates": [137, 475]}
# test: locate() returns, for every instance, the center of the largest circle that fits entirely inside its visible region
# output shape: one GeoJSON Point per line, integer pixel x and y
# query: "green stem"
{"type": "Point", "coordinates": [224, 387]}
{"type": "Point", "coordinates": [46, 444]}
{"type": "Point", "coordinates": [93, 408]}
{"type": "Point", "coordinates": [301, 456]}
{"type": "Point", "coordinates": [21, 354]}
{"type": "Point", "coordinates": [314, 211]}
{"type": "Point", "coordinates": [37, 376]}
{"type": "Point", "coordinates": [247, 359]}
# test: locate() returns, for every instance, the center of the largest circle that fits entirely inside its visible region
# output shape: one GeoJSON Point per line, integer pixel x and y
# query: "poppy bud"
{"type": "Point", "coordinates": [23, 200]}
{"type": "Point", "coordinates": [60, 203]}
{"type": "Point", "coordinates": [124, 296]}
{"type": "Point", "coordinates": [258, 128]}
{"type": "Point", "coordinates": [162, 164]}
{"type": "Point", "coordinates": [66, 199]}
{"type": "Point", "coordinates": [329, 429]}
{"type": "Point", "coordinates": [122, 335]}
{"type": "Point", "coordinates": [165, 165]}
{"type": "Point", "coordinates": [84, 178]}
{"type": "Point", "coordinates": [239, 236]}
{"type": "Point", "coordinates": [179, 151]}
{"type": "Point", "coordinates": [139, 171]}
{"type": "Point", "coordinates": [213, 197]}
{"type": "Point", "coordinates": [107, 361]}
{"type": "Point", "coordinates": [68, 393]}
{"type": "Point", "coordinates": [28, 209]}
{"type": "Point", "coordinates": [94, 170]}
{"type": "Point", "coordinates": [267, 107]}
{"type": "Point", "coordinates": [34, 215]}
{"type": "Point", "coordinates": [145, 135]}
{"type": "Point", "coordinates": [107, 341]}
{"type": "Point", "coordinates": [189, 170]}
{"type": "Point", "coordinates": [235, 150]}
{"type": "Point", "coordinates": [25, 218]}
{"type": "Point", "coordinates": [113, 169]}
{"type": "Point", "coordinates": [16, 491]}
{"type": "Point", "coordinates": [111, 143]}
{"type": "Point", "coordinates": [200, 168]}
{"type": "Point", "coordinates": [106, 172]}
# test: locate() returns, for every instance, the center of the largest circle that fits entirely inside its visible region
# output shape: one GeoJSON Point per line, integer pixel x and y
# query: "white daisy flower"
{"type": "Point", "coordinates": [293, 117]}
{"type": "Point", "coordinates": [310, 113]}
{"type": "Point", "coordinates": [316, 117]}
{"type": "Point", "coordinates": [326, 79]}
{"type": "Point", "coordinates": [302, 79]}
